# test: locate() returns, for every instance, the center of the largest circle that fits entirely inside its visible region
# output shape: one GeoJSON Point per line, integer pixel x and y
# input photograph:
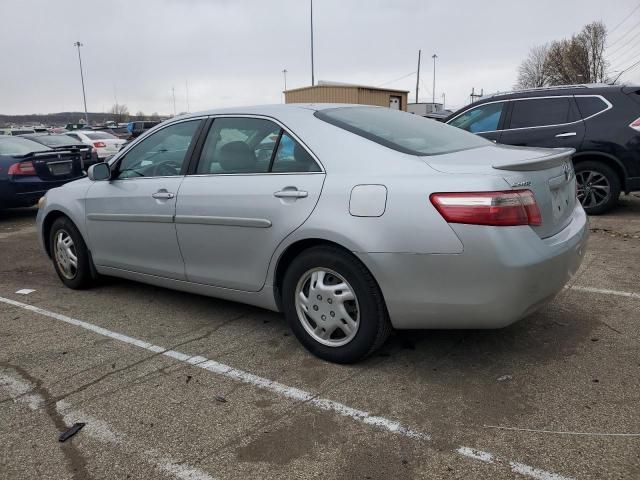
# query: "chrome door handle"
{"type": "Point", "coordinates": [291, 194]}
{"type": "Point", "coordinates": [566, 134]}
{"type": "Point", "coordinates": [163, 195]}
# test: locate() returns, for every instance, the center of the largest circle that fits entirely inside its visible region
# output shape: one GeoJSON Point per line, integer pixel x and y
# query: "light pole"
{"type": "Point", "coordinates": [84, 96]}
{"type": "Point", "coordinates": [284, 73]}
{"type": "Point", "coordinates": [313, 81]}
{"type": "Point", "coordinates": [434, 56]}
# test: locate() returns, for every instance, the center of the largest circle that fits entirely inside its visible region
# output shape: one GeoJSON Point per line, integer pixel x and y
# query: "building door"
{"type": "Point", "coordinates": [394, 102]}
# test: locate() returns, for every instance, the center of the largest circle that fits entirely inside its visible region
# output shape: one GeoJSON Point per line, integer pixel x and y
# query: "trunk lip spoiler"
{"type": "Point", "coordinates": [552, 159]}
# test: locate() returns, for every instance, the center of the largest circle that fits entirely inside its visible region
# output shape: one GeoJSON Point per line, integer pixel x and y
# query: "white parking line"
{"type": "Point", "coordinates": [284, 390]}
{"type": "Point", "coordinates": [605, 291]}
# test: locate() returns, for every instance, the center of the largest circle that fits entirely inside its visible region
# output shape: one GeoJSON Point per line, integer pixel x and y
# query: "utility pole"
{"type": "Point", "coordinates": [186, 84]}
{"type": "Point", "coordinates": [434, 56]}
{"type": "Point", "coordinates": [284, 73]}
{"type": "Point", "coordinates": [313, 80]}
{"type": "Point", "coordinates": [475, 95]}
{"type": "Point", "coordinates": [84, 96]}
{"type": "Point", "coordinates": [173, 92]}
{"type": "Point", "coordinates": [443, 101]}
{"type": "Point", "coordinates": [418, 78]}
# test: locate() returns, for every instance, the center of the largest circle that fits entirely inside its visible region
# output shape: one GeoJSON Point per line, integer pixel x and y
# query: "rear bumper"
{"type": "Point", "coordinates": [503, 275]}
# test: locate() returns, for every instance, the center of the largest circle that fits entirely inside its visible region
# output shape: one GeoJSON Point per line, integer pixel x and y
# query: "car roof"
{"type": "Point", "coordinates": [271, 110]}
{"type": "Point", "coordinates": [587, 89]}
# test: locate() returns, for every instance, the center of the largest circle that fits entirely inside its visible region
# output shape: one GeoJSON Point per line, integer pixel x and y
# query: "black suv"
{"type": "Point", "coordinates": [602, 122]}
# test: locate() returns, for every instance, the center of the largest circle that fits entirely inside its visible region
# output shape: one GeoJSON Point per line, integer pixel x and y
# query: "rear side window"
{"type": "Point", "coordinates": [484, 118]}
{"type": "Point", "coordinates": [589, 106]}
{"type": "Point", "coordinates": [540, 112]}
{"type": "Point", "coordinates": [252, 145]}
{"type": "Point", "coordinates": [401, 131]}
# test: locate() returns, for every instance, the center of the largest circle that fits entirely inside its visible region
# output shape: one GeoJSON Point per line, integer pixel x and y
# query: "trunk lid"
{"type": "Point", "coordinates": [56, 165]}
{"type": "Point", "coordinates": [547, 172]}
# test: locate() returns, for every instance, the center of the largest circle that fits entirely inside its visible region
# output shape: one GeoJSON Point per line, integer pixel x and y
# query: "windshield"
{"type": "Point", "coordinates": [100, 136]}
{"type": "Point", "coordinates": [401, 131]}
{"type": "Point", "coordinates": [19, 146]}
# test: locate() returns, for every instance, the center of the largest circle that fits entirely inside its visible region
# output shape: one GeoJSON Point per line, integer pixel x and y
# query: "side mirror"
{"type": "Point", "coordinates": [99, 171]}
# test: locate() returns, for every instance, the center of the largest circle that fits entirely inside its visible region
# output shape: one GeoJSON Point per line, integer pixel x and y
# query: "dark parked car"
{"type": "Point", "coordinates": [138, 128]}
{"type": "Point", "coordinates": [28, 169]}
{"type": "Point", "coordinates": [602, 122]}
{"type": "Point", "coordinates": [65, 142]}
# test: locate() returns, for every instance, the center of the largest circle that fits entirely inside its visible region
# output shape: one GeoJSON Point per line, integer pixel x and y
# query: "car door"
{"type": "Point", "coordinates": [254, 184]}
{"type": "Point", "coordinates": [485, 120]}
{"type": "Point", "coordinates": [130, 219]}
{"type": "Point", "coordinates": [543, 122]}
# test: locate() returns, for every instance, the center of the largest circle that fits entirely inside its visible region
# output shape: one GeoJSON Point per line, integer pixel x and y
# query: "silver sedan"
{"type": "Point", "coordinates": [351, 220]}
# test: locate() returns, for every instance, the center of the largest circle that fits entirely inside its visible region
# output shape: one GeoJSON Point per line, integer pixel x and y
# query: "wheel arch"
{"type": "Point", "coordinates": [295, 249]}
{"type": "Point", "coordinates": [608, 160]}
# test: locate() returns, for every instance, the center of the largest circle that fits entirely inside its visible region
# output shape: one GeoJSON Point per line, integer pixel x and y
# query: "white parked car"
{"type": "Point", "coordinates": [104, 143]}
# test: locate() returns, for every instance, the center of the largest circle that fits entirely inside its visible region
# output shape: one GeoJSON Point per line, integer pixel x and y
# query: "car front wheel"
{"type": "Point", "coordinates": [334, 306]}
{"type": "Point", "coordinates": [69, 254]}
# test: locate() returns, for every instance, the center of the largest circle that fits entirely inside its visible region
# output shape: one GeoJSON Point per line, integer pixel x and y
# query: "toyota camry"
{"type": "Point", "coordinates": [351, 220]}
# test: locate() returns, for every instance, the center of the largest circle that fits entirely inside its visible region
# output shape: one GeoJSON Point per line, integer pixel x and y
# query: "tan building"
{"type": "Point", "coordinates": [345, 93]}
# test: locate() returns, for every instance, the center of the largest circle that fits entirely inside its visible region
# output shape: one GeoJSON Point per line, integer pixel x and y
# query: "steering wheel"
{"type": "Point", "coordinates": [166, 169]}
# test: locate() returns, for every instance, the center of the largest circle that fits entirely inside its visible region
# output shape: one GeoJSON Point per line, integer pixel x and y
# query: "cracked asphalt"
{"type": "Point", "coordinates": [558, 392]}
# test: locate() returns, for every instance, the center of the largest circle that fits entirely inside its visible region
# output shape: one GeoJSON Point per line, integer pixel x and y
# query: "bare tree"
{"type": "Point", "coordinates": [140, 115]}
{"type": "Point", "coordinates": [154, 116]}
{"type": "Point", "coordinates": [120, 113]}
{"type": "Point", "coordinates": [532, 71]}
{"type": "Point", "coordinates": [579, 59]}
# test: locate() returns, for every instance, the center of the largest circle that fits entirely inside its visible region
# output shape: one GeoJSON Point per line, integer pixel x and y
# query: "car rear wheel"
{"type": "Point", "coordinates": [598, 187]}
{"type": "Point", "coordinates": [334, 306]}
{"type": "Point", "coordinates": [69, 254]}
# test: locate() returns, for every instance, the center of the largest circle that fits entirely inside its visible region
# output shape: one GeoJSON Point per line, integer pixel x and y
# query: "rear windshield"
{"type": "Point", "coordinates": [19, 146]}
{"type": "Point", "coordinates": [22, 132]}
{"type": "Point", "coordinates": [401, 131]}
{"type": "Point", "coordinates": [100, 136]}
{"type": "Point", "coordinates": [57, 140]}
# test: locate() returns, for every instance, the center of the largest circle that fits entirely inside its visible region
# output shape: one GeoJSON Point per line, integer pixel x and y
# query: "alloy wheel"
{"type": "Point", "coordinates": [65, 254]}
{"type": "Point", "coordinates": [593, 188]}
{"type": "Point", "coordinates": [327, 307]}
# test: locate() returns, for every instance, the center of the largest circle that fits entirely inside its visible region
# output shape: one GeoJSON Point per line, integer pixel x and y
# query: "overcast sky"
{"type": "Point", "coordinates": [232, 52]}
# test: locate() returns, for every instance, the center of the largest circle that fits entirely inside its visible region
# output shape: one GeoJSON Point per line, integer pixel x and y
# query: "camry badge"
{"type": "Point", "coordinates": [524, 183]}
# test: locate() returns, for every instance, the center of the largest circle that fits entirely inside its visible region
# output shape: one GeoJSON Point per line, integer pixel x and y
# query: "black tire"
{"type": "Point", "coordinates": [610, 176]}
{"type": "Point", "coordinates": [81, 277]}
{"type": "Point", "coordinates": [374, 326]}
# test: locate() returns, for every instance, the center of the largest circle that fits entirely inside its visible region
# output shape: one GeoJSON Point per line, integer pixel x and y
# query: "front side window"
{"type": "Point", "coordinates": [484, 118]}
{"type": "Point", "coordinates": [540, 112]}
{"type": "Point", "coordinates": [162, 154]}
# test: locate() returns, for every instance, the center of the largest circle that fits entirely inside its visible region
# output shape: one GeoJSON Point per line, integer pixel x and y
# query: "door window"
{"type": "Point", "coordinates": [252, 145]}
{"type": "Point", "coordinates": [238, 145]}
{"type": "Point", "coordinates": [484, 118]}
{"type": "Point", "coordinates": [163, 154]}
{"type": "Point", "coordinates": [540, 112]}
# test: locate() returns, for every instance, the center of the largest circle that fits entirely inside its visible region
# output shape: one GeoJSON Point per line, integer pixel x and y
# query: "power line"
{"type": "Point", "coordinates": [625, 19]}
{"type": "Point", "coordinates": [623, 35]}
{"type": "Point", "coordinates": [397, 79]}
{"type": "Point", "coordinates": [612, 54]}
{"type": "Point", "coordinates": [624, 59]}
{"type": "Point", "coordinates": [626, 70]}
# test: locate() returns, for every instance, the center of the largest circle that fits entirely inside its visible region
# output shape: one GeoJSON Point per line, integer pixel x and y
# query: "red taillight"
{"type": "Point", "coordinates": [500, 209]}
{"type": "Point", "coordinates": [99, 144]}
{"type": "Point", "coordinates": [22, 168]}
{"type": "Point", "coordinates": [635, 125]}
